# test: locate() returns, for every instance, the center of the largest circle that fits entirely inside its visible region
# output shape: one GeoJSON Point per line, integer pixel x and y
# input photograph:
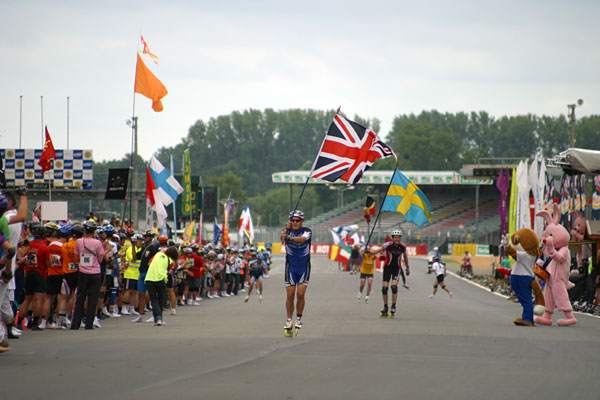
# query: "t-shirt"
{"type": "Point", "coordinates": [393, 253]}
{"type": "Point", "coordinates": [197, 267]}
{"type": "Point", "coordinates": [368, 263]}
{"type": "Point", "coordinates": [158, 268]}
{"type": "Point", "coordinates": [257, 268]}
{"type": "Point", "coordinates": [147, 254]}
{"type": "Point", "coordinates": [90, 253]}
{"type": "Point", "coordinates": [298, 254]}
{"type": "Point", "coordinates": [4, 233]}
{"type": "Point", "coordinates": [38, 263]}
{"type": "Point", "coordinates": [70, 260]}
{"type": "Point", "coordinates": [56, 264]}
{"type": "Point", "coordinates": [15, 234]}
{"type": "Point", "coordinates": [506, 263]}
{"type": "Point", "coordinates": [524, 264]}
{"type": "Point", "coordinates": [438, 267]}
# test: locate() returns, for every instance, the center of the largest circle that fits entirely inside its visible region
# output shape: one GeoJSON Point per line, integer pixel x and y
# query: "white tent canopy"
{"type": "Point", "coordinates": [582, 160]}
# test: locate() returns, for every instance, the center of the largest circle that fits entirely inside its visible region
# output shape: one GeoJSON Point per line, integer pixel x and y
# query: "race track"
{"type": "Point", "coordinates": [461, 348]}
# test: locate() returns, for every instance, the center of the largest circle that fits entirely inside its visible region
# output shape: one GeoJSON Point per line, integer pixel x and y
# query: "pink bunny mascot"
{"type": "Point", "coordinates": [555, 242]}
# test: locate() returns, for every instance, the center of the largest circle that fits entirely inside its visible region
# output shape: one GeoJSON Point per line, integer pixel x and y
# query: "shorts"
{"type": "Point", "coordinates": [54, 284]}
{"type": "Point", "coordinates": [355, 261]}
{"type": "Point", "coordinates": [254, 278]}
{"type": "Point", "coordinates": [193, 284]}
{"type": "Point", "coordinates": [440, 279]}
{"type": "Point", "coordinates": [390, 273]}
{"type": "Point", "coordinates": [296, 276]}
{"type": "Point", "coordinates": [141, 285]}
{"type": "Point", "coordinates": [70, 283]}
{"type": "Point", "coordinates": [170, 281]}
{"type": "Point", "coordinates": [131, 284]}
{"type": "Point", "coordinates": [34, 283]}
{"type": "Point", "coordinates": [365, 276]}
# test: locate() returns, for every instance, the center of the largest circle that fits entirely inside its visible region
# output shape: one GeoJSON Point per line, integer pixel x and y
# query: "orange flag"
{"type": "Point", "coordinates": [47, 154]}
{"type": "Point", "coordinates": [148, 85]}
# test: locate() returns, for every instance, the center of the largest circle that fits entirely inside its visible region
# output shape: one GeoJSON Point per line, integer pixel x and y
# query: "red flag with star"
{"type": "Point", "coordinates": [47, 155]}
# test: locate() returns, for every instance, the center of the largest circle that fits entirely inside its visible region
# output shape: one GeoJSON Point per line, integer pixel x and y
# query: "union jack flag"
{"type": "Point", "coordinates": [348, 151]}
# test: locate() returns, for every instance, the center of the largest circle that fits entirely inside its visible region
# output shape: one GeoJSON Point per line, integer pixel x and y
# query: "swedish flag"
{"type": "Point", "coordinates": [405, 197]}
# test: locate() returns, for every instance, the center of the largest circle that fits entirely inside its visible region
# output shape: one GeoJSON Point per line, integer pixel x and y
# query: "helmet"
{"type": "Point", "coordinates": [137, 237]}
{"type": "Point", "coordinates": [149, 233]}
{"type": "Point", "coordinates": [260, 256]}
{"type": "Point", "coordinates": [162, 239]}
{"type": "Point", "coordinates": [396, 232]}
{"type": "Point", "coordinates": [3, 202]}
{"type": "Point", "coordinates": [89, 226]}
{"type": "Point", "coordinates": [37, 229]}
{"type": "Point", "coordinates": [297, 214]}
{"type": "Point", "coordinates": [66, 229]}
{"type": "Point", "coordinates": [220, 257]}
{"type": "Point", "coordinates": [100, 229]}
{"type": "Point", "coordinates": [109, 229]}
{"type": "Point", "coordinates": [436, 248]}
{"type": "Point", "coordinates": [51, 226]}
{"type": "Point", "coordinates": [171, 243]}
{"type": "Point", "coordinates": [77, 230]}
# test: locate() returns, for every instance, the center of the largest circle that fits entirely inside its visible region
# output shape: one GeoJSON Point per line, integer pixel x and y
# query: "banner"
{"type": "Point", "coordinates": [116, 186]}
{"type": "Point", "coordinates": [596, 198]}
{"type": "Point", "coordinates": [186, 206]}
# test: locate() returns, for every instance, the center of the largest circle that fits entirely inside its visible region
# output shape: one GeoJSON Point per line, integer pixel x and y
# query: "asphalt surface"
{"type": "Point", "coordinates": [461, 348]}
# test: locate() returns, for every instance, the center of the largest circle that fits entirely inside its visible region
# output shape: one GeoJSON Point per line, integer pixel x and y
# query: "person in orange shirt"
{"type": "Point", "coordinates": [70, 266]}
{"type": "Point", "coordinates": [55, 272]}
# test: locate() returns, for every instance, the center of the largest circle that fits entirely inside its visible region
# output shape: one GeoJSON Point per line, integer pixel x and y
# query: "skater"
{"type": "Point", "coordinates": [258, 268]}
{"type": "Point", "coordinates": [297, 266]}
{"type": "Point", "coordinates": [393, 251]}
{"type": "Point", "coordinates": [366, 270]}
{"type": "Point", "coordinates": [440, 273]}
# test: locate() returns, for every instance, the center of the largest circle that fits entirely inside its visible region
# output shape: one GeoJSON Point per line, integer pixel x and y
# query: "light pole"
{"type": "Point", "coordinates": [571, 107]}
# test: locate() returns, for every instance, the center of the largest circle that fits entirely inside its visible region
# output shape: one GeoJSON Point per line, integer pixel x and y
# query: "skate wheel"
{"type": "Point", "coordinates": [287, 333]}
{"type": "Point", "coordinates": [297, 330]}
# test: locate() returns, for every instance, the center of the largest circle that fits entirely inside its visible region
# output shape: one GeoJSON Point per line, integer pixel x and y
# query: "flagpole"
{"type": "Point", "coordinates": [20, 119]}
{"type": "Point", "coordinates": [174, 202]}
{"type": "Point", "coordinates": [133, 162]}
{"type": "Point", "coordinates": [42, 115]}
{"type": "Point", "coordinates": [381, 205]}
{"type": "Point", "coordinates": [313, 167]}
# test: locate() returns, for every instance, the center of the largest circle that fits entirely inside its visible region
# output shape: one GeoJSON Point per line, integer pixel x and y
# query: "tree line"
{"type": "Point", "coordinates": [239, 151]}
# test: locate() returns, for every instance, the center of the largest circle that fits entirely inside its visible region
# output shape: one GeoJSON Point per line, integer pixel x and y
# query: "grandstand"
{"type": "Point", "coordinates": [455, 203]}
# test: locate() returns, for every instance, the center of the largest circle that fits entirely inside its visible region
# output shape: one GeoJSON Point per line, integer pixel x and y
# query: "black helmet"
{"type": "Point", "coordinates": [77, 230]}
{"type": "Point", "coordinates": [89, 226]}
{"type": "Point", "coordinates": [149, 233]}
{"type": "Point", "coordinates": [37, 230]}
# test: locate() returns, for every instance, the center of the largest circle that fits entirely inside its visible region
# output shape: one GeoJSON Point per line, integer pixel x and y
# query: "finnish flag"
{"type": "Point", "coordinates": [167, 185]}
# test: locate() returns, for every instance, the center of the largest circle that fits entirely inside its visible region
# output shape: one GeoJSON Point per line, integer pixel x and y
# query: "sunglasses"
{"type": "Point", "coordinates": [296, 220]}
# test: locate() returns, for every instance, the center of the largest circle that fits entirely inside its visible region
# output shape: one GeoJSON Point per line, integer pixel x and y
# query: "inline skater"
{"type": "Point", "coordinates": [297, 266]}
{"type": "Point", "coordinates": [393, 251]}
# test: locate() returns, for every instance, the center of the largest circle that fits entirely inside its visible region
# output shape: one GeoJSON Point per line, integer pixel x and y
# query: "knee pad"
{"type": "Point", "coordinates": [384, 290]}
{"type": "Point", "coordinates": [394, 289]}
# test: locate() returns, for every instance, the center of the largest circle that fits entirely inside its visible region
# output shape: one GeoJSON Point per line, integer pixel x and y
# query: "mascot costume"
{"type": "Point", "coordinates": [524, 247]}
{"type": "Point", "coordinates": [555, 246]}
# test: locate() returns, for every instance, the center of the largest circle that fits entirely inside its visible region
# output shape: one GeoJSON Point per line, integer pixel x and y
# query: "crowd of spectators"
{"type": "Point", "coordinates": [76, 273]}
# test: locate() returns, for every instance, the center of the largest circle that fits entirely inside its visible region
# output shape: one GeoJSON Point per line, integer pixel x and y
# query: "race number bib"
{"type": "Point", "coordinates": [86, 260]}
{"type": "Point", "coordinates": [55, 260]}
{"type": "Point", "coordinates": [73, 266]}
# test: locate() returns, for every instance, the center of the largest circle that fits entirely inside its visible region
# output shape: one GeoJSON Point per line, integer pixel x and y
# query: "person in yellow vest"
{"type": "Point", "coordinates": [156, 280]}
{"type": "Point", "coordinates": [132, 274]}
{"type": "Point", "coordinates": [367, 268]}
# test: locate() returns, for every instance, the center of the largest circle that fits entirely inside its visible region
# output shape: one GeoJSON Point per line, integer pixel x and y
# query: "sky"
{"type": "Point", "coordinates": [373, 58]}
